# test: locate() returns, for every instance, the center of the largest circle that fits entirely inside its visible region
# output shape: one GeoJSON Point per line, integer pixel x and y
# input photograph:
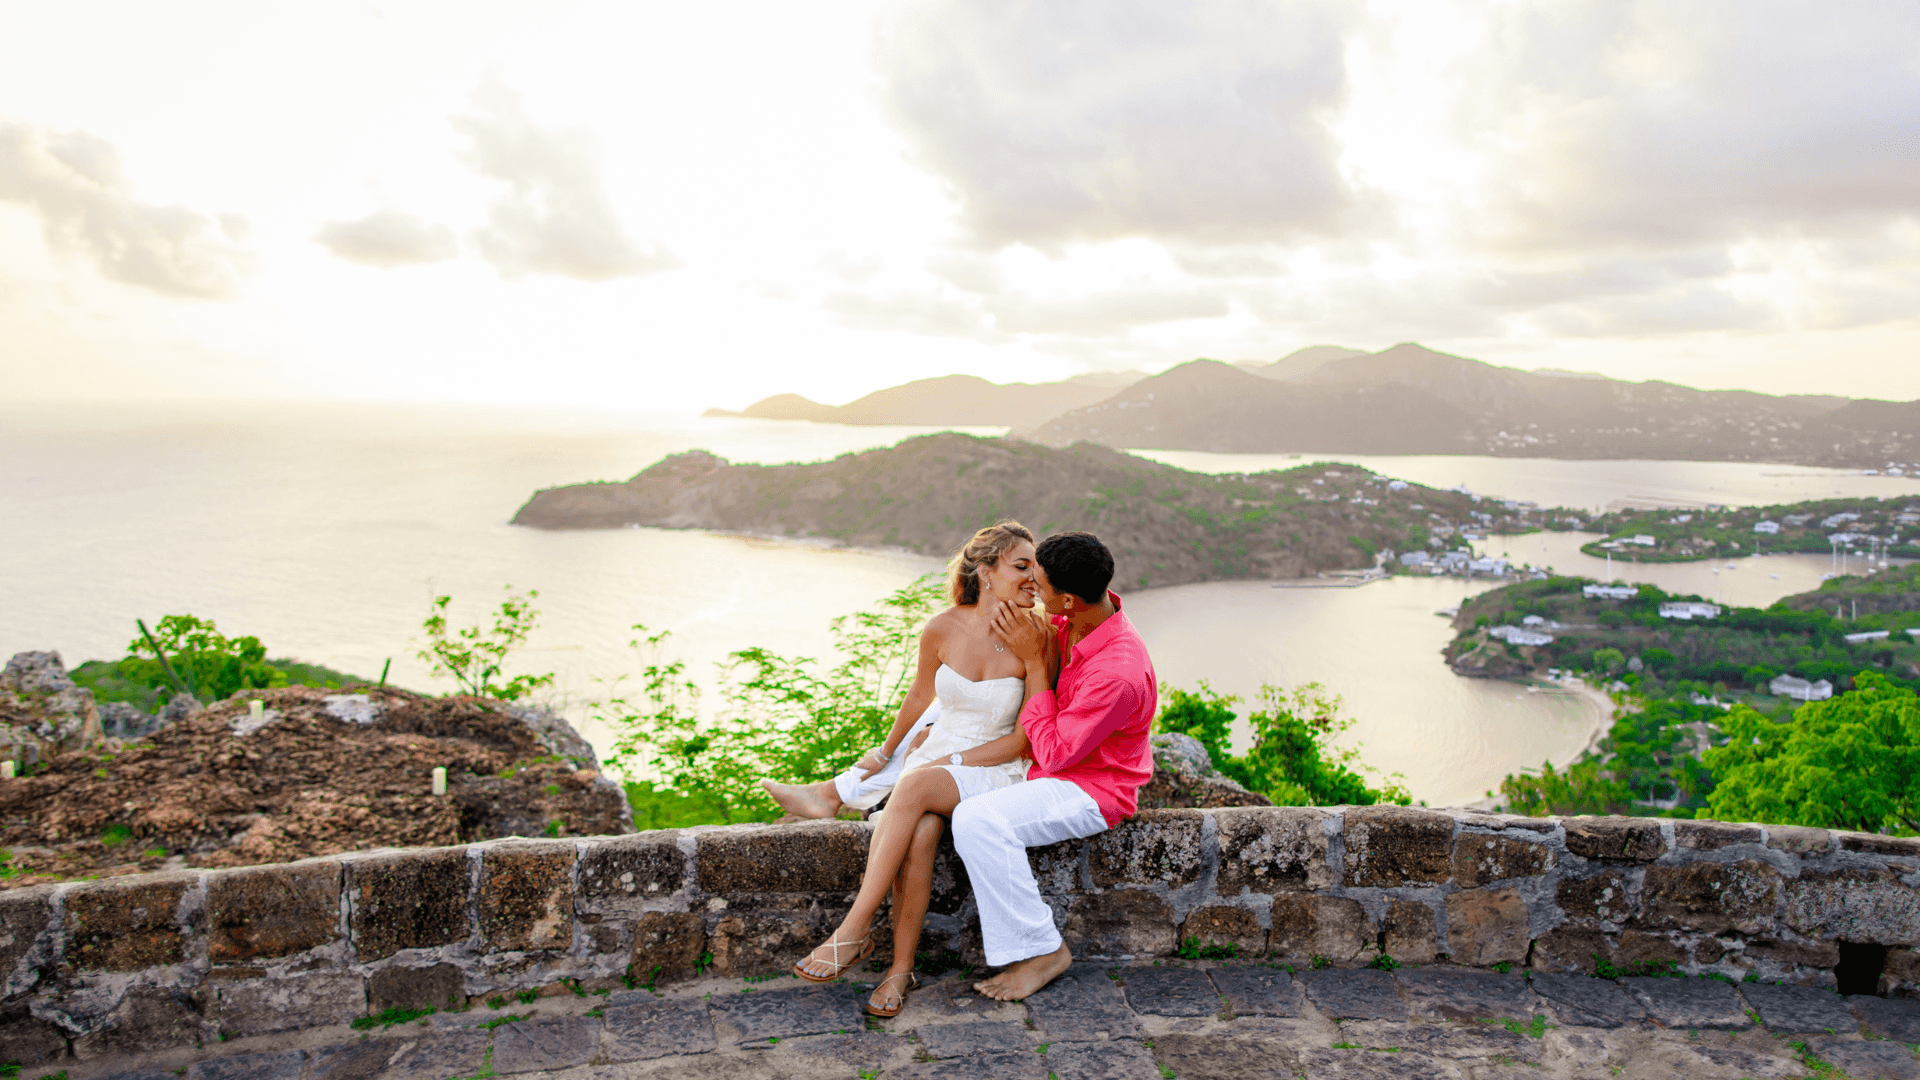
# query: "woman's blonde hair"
{"type": "Point", "coordinates": [984, 549]}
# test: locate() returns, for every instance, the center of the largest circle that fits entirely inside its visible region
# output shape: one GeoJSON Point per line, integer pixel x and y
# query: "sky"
{"type": "Point", "coordinates": [664, 207]}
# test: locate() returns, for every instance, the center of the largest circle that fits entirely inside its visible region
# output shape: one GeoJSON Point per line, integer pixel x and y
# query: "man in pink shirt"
{"type": "Point", "coordinates": [1090, 756]}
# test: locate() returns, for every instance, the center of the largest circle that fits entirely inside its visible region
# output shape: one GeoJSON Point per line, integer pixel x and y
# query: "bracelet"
{"type": "Point", "coordinates": [881, 753]}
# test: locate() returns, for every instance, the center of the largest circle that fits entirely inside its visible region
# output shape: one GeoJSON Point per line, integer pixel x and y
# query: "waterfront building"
{"type": "Point", "coordinates": [1415, 558]}
{"type": "Point", "coordinates": [1518, 636]}
{"type": "Point", "coordinates": [1643, 540]}
{"type": "Point", "coordinates": [1610, 592]}
{"type": "Point", "coordinates": [1689, 609]}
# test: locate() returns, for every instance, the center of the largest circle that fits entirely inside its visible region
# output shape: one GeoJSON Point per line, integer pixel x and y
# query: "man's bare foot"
{"type": "Point", "coordinates": [1027, 976]}
{"type": "Point", "coordinates": [821, 800]}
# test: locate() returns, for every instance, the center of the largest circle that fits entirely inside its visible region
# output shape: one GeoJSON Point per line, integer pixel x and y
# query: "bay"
{"type": "Point", "coordinates": [325, 529]}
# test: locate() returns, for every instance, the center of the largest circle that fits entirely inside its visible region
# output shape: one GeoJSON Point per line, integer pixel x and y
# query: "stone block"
{"type": "Point", "coordinates": [1712, 835]}
{"type": "Point", "coordinates": [1708, 950]}
{"type": "Point", "coordinates": [1157, 847]}
{"type": "Point", "coordinates": [128, 923]}
{"type": "Point", "coordinates": [434, 1056]}
{"type": "Point", "coordinates": [1486, 926]}
{"type": "Point", "coordinates": [1798, 839]}
{"type": "Point", "coordinates": [1692, 1060]}
{"type": "Point", "coordinates": [416, 987]}
{"type": "Point", "coordinates": [1170, 991]}
{"type": "Point", "coordinates": [1818, 954]}
{"type": "Point", "coordinates": [782, 1014]}
{"type": "Point", "coordinates": [1707, 1004]}
{"type": "Point", "coordinates": [1799, 1010]}
{"type": "Point", "coordinates": [667, 945]}
{"type": "Point", "coordinates": [1900, 847]}
{"type": "Point", "coordinates": [818, 856]}
{"type": "Point", "coordinates": [266, 911]}
{"type": "Point", "coordinates": [1370, 1065]}
{"type": "Point", "coordinates": [1056, 867]}
{"type": "Point", "coordinates": [1257, 990]}
{"type": "Point", "coordinates": [1412, 933]}
{"type": "Point", "coordinates": [1480, 859]}
{"type": "Point", "coordinates": [526, 897]}
{"type": "Point", "coordinates": [1452, 994]}
{"type": "Point", "coordinates": [1101, 1061]}
{"type": "Point", "coordinates": [1221, 925]}
{"type": "Point", "coordinates": [1636, 949]}
{"type": "Point", "coordinates": [545, 1045]}
{"type": "Point", "coordinates": [976, 1037]}
{"type": "Point", "coordinates": [1306, 925]}
{"type": "Point", "coordinates": [1569, 950]}
{"type": "Point", "coordinates": [757, 942]}
{"type": "Point", "coordinates": [1083, 1005]}
{"type": "Point", "coordinates": [149, 1018]}
{"type": "Point", "coordinates": [622, 875]}
{"type": "Point", "coordinates": [1605, 899]}
{"type": "Point", "coordinates": [1889, 1018]}
{"type": "Point", "coordinates": [408, 900]}
{"type": "Point", "coordinates": [1741, 897]}
{"type": "Point", "coordinates": [642, 1030]}
{"type": "Point", "coordinates": [1619, 839]}
{"type": "Point", "coordinates": [1124, 922]}
{"type": "Point", "coordinates": [30, 1041]}
{"type": "Point", "coordinates": [1854, 905]}
{"type": "Point", "coordinates": [1580, 1001]}
{"type": "Point", "coordinates": [1267, 849]}
{"type": "Point", "coordinates": [864, 1051]}
{"type": "Point", "coordinates": [1354, 994]}
{"type": "Point", "coordinates": [270, 1065]}
{"type": "Point", "coordinates": [242, 1007]}
{"type": "Point", "coordinates": [1027, 1066]}
{"type": "Point", "coordinates": [1216, 1056]}
{"type": "Point", "coordinates": [26, 918]}
{"type": "Point", "coordinates": [1855, 1057]}
{"type": "Point", "coordinates": [1444, 1040]}
{"type": "Point", "coordinates": [1390, 846]}
{"type": "Point", "coordinates": [1903, 965]}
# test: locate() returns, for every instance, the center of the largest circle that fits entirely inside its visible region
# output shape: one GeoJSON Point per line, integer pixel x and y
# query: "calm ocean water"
{"type": "Point", "coordinates": [324, 530]}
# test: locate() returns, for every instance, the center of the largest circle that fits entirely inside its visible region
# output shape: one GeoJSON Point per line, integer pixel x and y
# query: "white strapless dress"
{"type": "Point", "coordinates": [972, 713]}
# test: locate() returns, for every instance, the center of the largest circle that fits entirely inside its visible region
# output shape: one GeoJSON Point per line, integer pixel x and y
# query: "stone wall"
{"type": "Point", "coordinates": [248, 951]}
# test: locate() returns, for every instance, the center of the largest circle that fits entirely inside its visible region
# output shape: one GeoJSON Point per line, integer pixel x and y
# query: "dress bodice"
{"type": "Point", "coordinates": [971, 713]}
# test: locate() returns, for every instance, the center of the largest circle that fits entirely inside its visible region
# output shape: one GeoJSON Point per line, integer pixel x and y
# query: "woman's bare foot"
{"type": "Point", "coordinates": [821, 800]}
{"type": "Point", "coordinates": [1027, 976]}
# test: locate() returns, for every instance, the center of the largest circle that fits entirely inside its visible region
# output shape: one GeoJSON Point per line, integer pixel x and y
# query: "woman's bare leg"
{"type": "Point", "coordinates": [821, 800]}
{"type": "Point", "coordinates": [912, 892]}
{"type": "Point", "coordinates": [921, 792]}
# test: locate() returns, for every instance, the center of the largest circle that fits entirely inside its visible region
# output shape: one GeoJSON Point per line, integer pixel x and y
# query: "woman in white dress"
{"type": "Point", "coordinates": [974, 746]}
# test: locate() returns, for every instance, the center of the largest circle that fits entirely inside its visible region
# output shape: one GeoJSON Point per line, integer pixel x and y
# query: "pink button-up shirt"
{"type": "Point", "coordinates": [1092, 730]}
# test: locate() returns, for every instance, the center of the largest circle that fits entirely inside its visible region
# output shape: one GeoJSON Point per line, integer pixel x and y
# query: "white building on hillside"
{"type": "Point", "coordinates": [1831, 520]}
{"type": "Point", "coordinates": [1610, 592]}
{"type": "Point", "coordinates": [1867, 635]}
{"type": "Point", "coordinates": [1518, 636]}
{"type": "Point", "coordinates": [1689, 609]}
{"type": "Point", "coordinates": [1800, 689]}
{"type": "Point", "coordinates": [1771, 528]}
{"type": "Point", "coordinates": [1643, 540]}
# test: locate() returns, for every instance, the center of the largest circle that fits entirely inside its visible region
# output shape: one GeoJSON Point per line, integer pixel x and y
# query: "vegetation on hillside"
{"type": "Point", "coordinates": [1816, 527]}
{"type": "Point", "coordinates": [1291, 759]}
{"type": "Point", "coordinates": [210, 663]}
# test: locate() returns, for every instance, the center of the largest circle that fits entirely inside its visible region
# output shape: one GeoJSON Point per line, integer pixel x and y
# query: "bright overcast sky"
{"type": "Point", "coordinates": [668, 206]}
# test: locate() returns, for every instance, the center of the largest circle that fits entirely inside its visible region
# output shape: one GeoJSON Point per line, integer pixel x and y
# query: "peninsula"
{"type": "Point", "coordinates": [1166, 526]}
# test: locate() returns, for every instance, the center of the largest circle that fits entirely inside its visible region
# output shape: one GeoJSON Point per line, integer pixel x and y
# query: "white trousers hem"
{"type": "Point", "coordinates": [992, 833]}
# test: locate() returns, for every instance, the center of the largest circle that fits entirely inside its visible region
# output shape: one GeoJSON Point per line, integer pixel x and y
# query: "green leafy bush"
{"type": "Point", "coordinates": [473, 656]}
{"type": "Point", "coordinates": [1292, 760]}
{"type": "Point", "coordinates": [212, 664]}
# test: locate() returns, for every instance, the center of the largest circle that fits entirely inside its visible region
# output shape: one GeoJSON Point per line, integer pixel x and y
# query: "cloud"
{"type": "Point", "coordinates": [1100, 119]}
{"type": "Point", "coordinates": [388, 238]}
{"type": "Point", "coordinates": [77, 186]}
{"type": "Point", "coordinates": [555, 217]}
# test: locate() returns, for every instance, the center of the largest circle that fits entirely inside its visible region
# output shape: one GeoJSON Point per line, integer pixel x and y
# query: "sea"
{"type": "Point", "coordinates": [325, 530]}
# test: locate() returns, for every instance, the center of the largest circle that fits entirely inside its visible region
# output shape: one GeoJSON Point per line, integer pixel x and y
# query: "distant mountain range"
{"type": "Point", "coordinates": [1407, 399]}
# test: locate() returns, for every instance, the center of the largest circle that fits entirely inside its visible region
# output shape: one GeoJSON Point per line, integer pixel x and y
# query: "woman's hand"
{"type": "Point", "coordinates": [1023, 633]}
{"type": "Point", "coordinates": [872, 763]}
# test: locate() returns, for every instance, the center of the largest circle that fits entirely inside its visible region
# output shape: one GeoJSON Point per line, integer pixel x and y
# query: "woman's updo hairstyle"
{"type": "Point", "coordinates": [984, 549]}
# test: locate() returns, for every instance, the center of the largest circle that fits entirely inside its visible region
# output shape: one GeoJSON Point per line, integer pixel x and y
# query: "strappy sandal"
{"type": "Point", "coordinates": [865, 945]}
{"type": "Point", "coordinates": [913, 983]}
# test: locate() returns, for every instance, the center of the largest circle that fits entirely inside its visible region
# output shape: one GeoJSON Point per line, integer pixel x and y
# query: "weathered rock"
{"type": "Point", "coordinates": [272, 911]}
{"type": "Point", "coordinates": [526, 896]}
{"type": "Point", "coordinates": [1690, 1003]}
{"type": "Point", "coordinates": [1101, 1061]}
{"type": "Point", "coordinates": [1486, 927]}
{"type": "Point", "coordinates": [1620, 839]}
{"type": "Point", "coordinates": [413, 900]}
{"type": "Point", "coordinates": [1184, 776]}
{"type": "Point", "coordinates": [821, 856]}
{"type": "Point", "coordinates": [667, 945]}
{"type": "Point", "coordinates": [180, 707]}
{"type": "Point", "coordinates": [1158, 847]}
{"type": "Point", "coordinates": [1268, 849]}
{"type": "Point", "coordinates": [1640, 951]}
{"type": "Point", "coordinates": [1480, 859]}
{"type": "Point", "coordinates": [1257, 990]}
{"type": "Point", "coordinates": [1124, 922]}
{"type": "Point", "coordinates": [1451, 994]}
{"type": "Point", "coordinates": [27, 1039]}
{"type": "Point", "coordinates": [1798, 839]}
{"type": "Point", "coordinates": [621, 877]}
{"type": "Point", "coordinates": [1170, 991]}
{"type": "Point", "coordinates": [1817, 954]}
{"type": "Point", "coordinates": [1712, 835]}
{"type": "Point", "coordinates": [1715, 897]}
{"type": "Point", "coordinates": [1881, 1060]}
{"type": "Point", "coordinates": [258, 1006]}
{"type": "Point", "coordinates": [1356, 994]}
{"type": "Point", "coordinates": [1084, 1005]}
{"type": "Point", "coordinates": [1603, 900]}
{"type": "Point", "coordinates": [1395, 845]}
{"type": "Point", "coordinates": [1226, 926]}
{"type": "Point", "coordinates": [126, 924]}
{"type": "Point", "coordinates": [1904, 847]}
{"type": "Point", "coordinates": [1412, 934]}
{"type": "Point", "coordinates": [780, 1014]}
{"type": "Point", "coordinates": [25, 915]}
{"type": "Point", "coordinates": [148, 1018]}
{"type": "Point", "coordinates": [547, 1045]}
{"type": "Point", "coordinates": [1854, 905]}
{"type": "Point", "coordinates": [1570, 950]}
{"type": "Point", "coordinates": [1892, 1018]}
{"type": "Point", "coordinates": [640, 1029]}
{"type": "Point", "coordinates": [1587, 1002]}
{"type": "Point", "coordinates": [42, 711]}
{"type": "Point", "coordinates": [1798, 1010]}
{"type": "Point", "coordinates": [432, 987]}
{"type": "Point", "coordinates": [119, 720]}
{"type": "Point", "coordinates": [755, 942]}
{"type": "Point", "coordinates": [978, 1037]}
{"type": "Point", "coordinates": [1213, 1057]}
{"type": "Point", "coordinates": [270, 1065]}
{"type": "Point", "coordinates": [1306, 925]}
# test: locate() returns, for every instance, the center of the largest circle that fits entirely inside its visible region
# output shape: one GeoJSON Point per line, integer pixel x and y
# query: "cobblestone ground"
{"type": "Point", "coordinates": [1105, 1022]}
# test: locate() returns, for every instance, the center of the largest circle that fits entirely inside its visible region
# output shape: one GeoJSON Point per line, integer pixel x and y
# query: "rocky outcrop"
{"type": "Point", "coordinates": [313, 772]}
{"type": "Point", "coordinates": [42, 710]}
{"type": "Point", "coordinates": [1184, 776]}
{"type": "Point", "coordinates": [1483, 657]}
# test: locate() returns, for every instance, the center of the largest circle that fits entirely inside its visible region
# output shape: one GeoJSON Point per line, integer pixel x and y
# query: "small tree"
{"type": "Point", "coordinates": [1293, 760]}
{"type": "Point", "coordinates": [212, 664]}
{"type": "Point", "coordinates": [474, 657]}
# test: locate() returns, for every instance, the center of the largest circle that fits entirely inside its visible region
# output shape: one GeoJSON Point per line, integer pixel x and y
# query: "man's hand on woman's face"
{"type": "Point", "coordinates": [1022, 633]}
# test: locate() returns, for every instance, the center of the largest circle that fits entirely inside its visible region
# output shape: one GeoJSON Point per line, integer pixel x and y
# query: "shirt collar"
{"type": "Point", "coordinates": [1103, 634]}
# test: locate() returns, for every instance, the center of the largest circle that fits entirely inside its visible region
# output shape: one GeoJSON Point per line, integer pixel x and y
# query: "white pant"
{"type": "Point", "coordinates": [858, 793]}
{"type": "Point", "coordinates": [992, 833]}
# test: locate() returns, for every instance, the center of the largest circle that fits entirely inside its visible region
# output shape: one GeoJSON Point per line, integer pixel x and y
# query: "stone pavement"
{"type": "Point", "coordinates": [1111, 1022]}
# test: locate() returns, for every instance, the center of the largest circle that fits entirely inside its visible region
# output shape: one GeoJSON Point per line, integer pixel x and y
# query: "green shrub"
{"type": "Point", "coordinates": [1293, 760]}
{"type": "Point", "coordinates": [212, 664]}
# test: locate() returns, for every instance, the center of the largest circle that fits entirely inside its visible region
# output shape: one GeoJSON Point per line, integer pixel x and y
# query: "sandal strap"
{"type": "Point", "coordinates": [907, 975]}
{"type": "Point", "coordinates": [835, 946]}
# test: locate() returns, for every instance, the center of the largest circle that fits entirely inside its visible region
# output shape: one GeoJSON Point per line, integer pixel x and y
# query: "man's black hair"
{"type": "Point", "coordinates": [1077, 563]}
